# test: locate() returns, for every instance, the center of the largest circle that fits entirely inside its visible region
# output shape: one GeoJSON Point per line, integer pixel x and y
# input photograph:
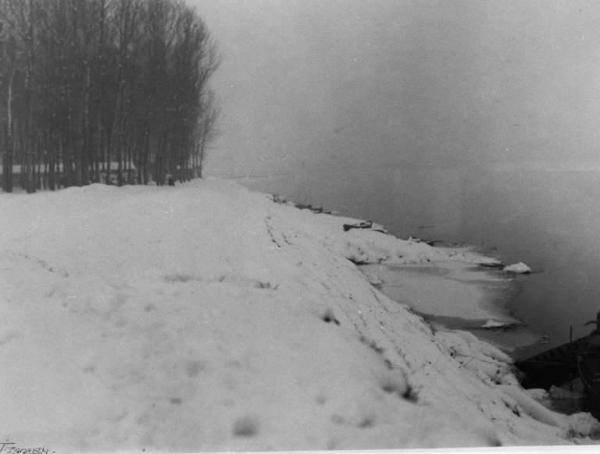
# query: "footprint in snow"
{"type": "Point", "coordinates": [193, 368]}
{"type": "Point", "coordinates": [246, 426]}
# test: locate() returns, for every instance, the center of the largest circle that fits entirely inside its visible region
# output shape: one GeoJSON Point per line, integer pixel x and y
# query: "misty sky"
{"type": "Point", "coordinates": [345, 85]}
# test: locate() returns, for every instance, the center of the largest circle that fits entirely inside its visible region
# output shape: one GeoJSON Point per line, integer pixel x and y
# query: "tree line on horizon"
{"type": "Point", "coordinates": [112, 91]}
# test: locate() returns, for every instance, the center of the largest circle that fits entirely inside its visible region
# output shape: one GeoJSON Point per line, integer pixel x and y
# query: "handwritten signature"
{"type": "Point", "coordinates": [9, 447]}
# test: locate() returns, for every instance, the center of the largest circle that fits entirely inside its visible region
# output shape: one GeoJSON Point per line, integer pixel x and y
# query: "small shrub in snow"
{"type": "Point", "coordinates": [329, 317]}
{"type": "Point", "coordinates": [410, 394]}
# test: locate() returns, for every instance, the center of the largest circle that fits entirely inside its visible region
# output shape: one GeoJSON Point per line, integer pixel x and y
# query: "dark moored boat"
{"type": "Point", "coordinates": [588, 366]}
{"type": "Point", "coordinates": [553, 367]}
{"type": "Point", "coordinates": [576, 359]}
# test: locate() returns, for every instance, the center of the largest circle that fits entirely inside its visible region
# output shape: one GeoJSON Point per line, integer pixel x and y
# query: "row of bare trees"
{"type": "Point", "coordinates": [103, 90]}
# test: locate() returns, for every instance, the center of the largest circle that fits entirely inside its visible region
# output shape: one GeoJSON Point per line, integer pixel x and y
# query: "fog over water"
{"type": "Point", "coordinates": [464, 120]}
{"type": "Point", "coordinates": [361, 85]}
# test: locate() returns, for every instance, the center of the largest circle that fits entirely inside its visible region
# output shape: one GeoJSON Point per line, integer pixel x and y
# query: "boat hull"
{"type": "Point", "coordinates": [589, 372]}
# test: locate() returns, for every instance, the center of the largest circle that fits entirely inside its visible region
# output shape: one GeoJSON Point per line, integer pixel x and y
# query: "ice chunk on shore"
{"type": "Point", "coordinates": [539, 394]}
{"type": "Point", "coordinates": [491, 324]}
{"type": "Point", "coordinates": [517, 268]}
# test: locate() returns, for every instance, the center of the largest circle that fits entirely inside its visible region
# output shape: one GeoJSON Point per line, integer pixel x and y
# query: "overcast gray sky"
{"type": "Point", "coordinates": [355, 84]}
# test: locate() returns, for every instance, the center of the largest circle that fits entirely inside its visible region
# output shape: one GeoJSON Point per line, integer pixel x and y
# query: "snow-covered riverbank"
{"type": "Point", "coordinates": [207, 317]}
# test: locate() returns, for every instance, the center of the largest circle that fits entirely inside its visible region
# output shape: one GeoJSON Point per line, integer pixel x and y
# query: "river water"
{"type": "Point", "coordinates": [550, 219]}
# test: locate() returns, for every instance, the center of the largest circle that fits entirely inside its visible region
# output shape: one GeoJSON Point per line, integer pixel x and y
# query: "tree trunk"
{"type": "Point", "coordinates": [9, 147]}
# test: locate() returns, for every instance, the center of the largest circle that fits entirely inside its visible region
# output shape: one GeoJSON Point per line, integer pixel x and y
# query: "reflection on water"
{"type": "Point", "coordinates": [548, 219]}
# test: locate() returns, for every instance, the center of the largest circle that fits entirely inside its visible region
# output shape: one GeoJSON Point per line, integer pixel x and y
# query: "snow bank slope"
{"type": "Point", "coordinates": [206, 317]}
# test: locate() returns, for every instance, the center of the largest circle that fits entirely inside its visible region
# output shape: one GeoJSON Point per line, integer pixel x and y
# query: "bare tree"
{"type": "Point", "coordinates": [207, 130]}
{"type": "Point", "coordinates": [91, 89]}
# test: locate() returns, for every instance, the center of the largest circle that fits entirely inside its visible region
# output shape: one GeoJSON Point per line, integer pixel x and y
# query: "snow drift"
{"type": "Point", "coordinates": [208, 317]}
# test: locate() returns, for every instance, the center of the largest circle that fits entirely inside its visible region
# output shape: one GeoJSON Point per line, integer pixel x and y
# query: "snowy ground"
{"type": "Point", "coordinates": [207, 317]}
